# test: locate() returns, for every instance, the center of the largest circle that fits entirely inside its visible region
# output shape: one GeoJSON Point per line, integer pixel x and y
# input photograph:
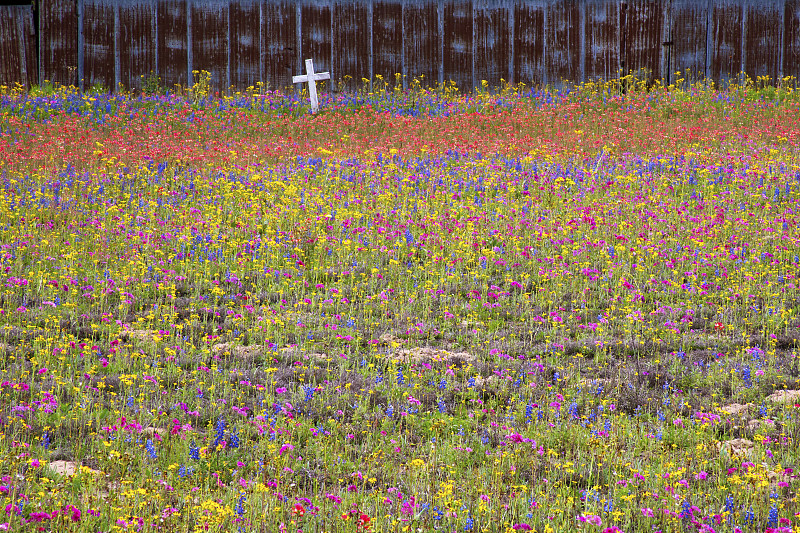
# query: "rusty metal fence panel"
{"type": "Point", "coordinates": [58, 42]}
{"type": "Point", "coordinates": [387, 39]}
{"type": "Point", "coordinates": [112, 43]}
{"type": "Point", "coordinates": [17, 46]}
{"type": "Point", "coordinates": [137, 42]}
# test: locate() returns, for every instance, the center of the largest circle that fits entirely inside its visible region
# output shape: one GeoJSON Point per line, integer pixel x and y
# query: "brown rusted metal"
{"type": "Point", "coordinates": [791, 39]}
{"type": "Point", "coordinates": [601, 39]}
{"type": "Point", "coordinates": [686, 46]}
{"type": "Point", "coordinates": [245, 43]}
{"type": "Point", "coordinates": [18, 47]}
{"type": "Point", "coordinates": [492, 42]}
{"type": "Point", "coordinates": [421, 42]}
{"type": "Point", "coordinates": [387, 39]}
{"type": "Point", "coordinates": [529, 43]}
{"type": "Point", "coordinates": [536, 42]}
{"type": "Point", "coordinates": [316, 17]}
{"type": "Point", "coordinates": [97, 32]}
{"type": "Point", "coordinates": [762, 38]}
{"type": "Point", "coordinates": [280, 53]}
{"type": "Point", "coordinates": [562, 42]}
{"type": "Point", "coordinates": [726, 41]}
{"type": "Point", "coordinates": [58, 42]}
{"type": "Point", "coordinates": [172, 48]}
{"type": "Point", "coordinates": [457, 38]}
{"type": "Point", "coordinates": [351, 38]}
{"type": "Point", "coordinates": [646, 31]}
{"type": "Point", "coordinates": [137, 43]}
{"type": "Point", "coordinates": [210, 41]}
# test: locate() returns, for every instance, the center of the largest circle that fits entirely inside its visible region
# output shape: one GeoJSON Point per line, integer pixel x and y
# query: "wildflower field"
{"type": "Point", "coordinates": [519, 310]}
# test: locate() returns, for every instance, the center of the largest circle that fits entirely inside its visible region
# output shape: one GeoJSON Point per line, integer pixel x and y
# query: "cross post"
{"type": "Point", "coordinates": [311, 78]}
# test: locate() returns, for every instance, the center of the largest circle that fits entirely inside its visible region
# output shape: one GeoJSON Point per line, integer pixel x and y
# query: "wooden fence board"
{"type": "Point", "coordinates": [791, 39]}
{"type": "Point", "coordinates": [317, 39]}
{"type": "Point", "coordinates": [18, 47]}
{"type": "Point", "coordinates": [726, 41]}
{"type": "Point", "coordinates": [645, 32]}
{"type": "Point", "coordinates": [689, 31]}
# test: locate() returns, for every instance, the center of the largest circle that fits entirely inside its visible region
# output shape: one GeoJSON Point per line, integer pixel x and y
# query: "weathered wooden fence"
{"type": "Point", "coordinates": [240, 42]}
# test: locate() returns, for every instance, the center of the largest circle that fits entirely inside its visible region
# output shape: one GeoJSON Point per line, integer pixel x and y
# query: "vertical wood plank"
{"type": "Point", "coordinates": [351, 53]}
{"type": "Point", "coordinates": [529, 42]}
{"type": "Point", "coordinates": [492, 42]}
{"type": "Point", "coordinates": [245, 17]}
{"type": "Point", "coordinates": [457, 54]}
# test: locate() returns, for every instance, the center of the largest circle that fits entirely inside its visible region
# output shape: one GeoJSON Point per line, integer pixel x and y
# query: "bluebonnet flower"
{"type": "Point", "coordinates": [239, 509]}
{"type": "Point", "coordinates": [747, 377]}
{"type": "Point", "coordinates": [442, 406]}
{"type": "Point", "coordinates": [234, 442]}
{"type": "Point", "coordinates": [220, 427]}
{"type": "Point", "coordinates": [772, 520]}
{"type": "Point", "coordinates": [151, 450]}
{"type": "Point", "coordinates": [194, 451]}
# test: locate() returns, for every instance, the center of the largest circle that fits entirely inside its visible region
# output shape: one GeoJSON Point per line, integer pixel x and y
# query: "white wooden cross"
{"type": "Point", "coordinates": [312, 79]}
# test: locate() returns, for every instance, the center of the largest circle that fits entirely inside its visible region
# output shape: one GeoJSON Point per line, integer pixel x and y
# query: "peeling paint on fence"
{"type": "Point", "coordinates": [536, 42]}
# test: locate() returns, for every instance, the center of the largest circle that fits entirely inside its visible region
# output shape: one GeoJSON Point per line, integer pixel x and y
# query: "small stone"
{"type": "Point", "coordinates": [70, 468]}
{"type": "Point", "coordinates": [737, 447]}
{"type": "Point", "coordinates": [766, 424]}
{"type": "Point", "coordinates": [784, 396]}
{"type": "Point", "coordinates": [736, 409]}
